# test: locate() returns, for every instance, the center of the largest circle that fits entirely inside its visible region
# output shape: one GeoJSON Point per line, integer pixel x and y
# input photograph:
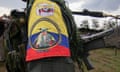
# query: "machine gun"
{"type": "Point", "coordinates": [99, 40]}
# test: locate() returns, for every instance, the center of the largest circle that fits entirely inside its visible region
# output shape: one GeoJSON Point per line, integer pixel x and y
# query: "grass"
{"type": "Point", "coordinates": [104, 60]}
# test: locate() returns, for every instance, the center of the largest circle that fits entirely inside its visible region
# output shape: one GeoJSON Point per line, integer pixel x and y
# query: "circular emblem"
{"type": "Point", "coordinates": [44, 39]}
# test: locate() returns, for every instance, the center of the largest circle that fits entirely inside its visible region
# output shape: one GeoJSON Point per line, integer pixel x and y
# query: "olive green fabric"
{"type": "Point", "coordinates": [51, 65]}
